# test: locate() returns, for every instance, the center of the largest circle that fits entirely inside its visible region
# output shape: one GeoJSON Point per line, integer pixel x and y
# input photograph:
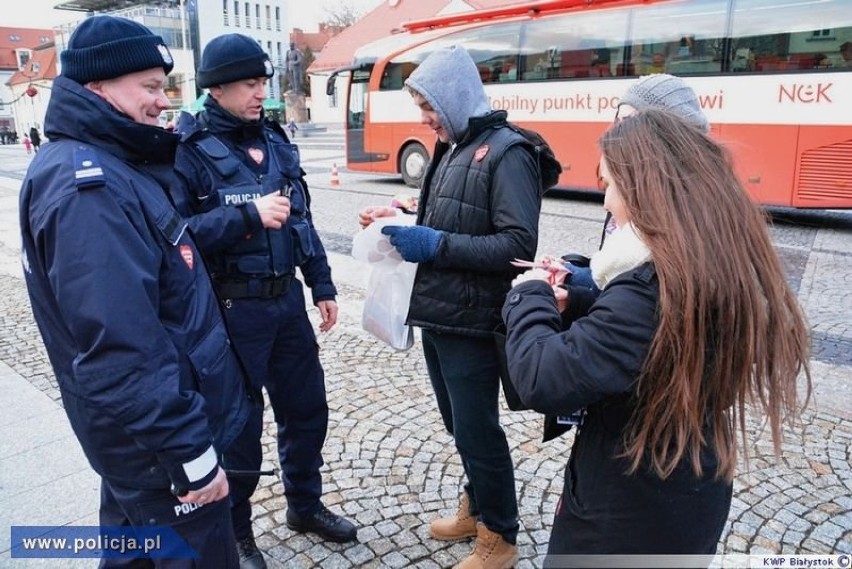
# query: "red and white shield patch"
{"type": "Point", "coordinates": [188, 258]}
{"type": "Point", "coordinates": [480, 153]}
{"type": "Point", "coordinates": [256, 154]}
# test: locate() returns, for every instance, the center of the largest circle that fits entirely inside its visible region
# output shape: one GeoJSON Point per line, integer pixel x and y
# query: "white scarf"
{"type": "Point", "coordinates": [622, 250]}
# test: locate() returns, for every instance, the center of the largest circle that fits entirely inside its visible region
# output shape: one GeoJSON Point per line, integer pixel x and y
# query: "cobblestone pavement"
{"type": "Point", "coordinates": [392, 468]}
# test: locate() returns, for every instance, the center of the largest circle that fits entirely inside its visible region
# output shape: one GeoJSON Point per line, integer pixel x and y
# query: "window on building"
{"type": "Point", "coordinates": [225, 15]}
{"type": "Point", "coordinates": [172, 87]}
{"type": "Point", "coordinates": [257, 16]}
{"type": "Point", "coordinates": [236, 13]}
{"type": "Point", "coordinates": [332, 99]}
{"type": "Point", "coordinates": [248, 15]}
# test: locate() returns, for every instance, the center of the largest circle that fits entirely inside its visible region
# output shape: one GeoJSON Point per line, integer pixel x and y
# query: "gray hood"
{"type": "Point", "coordinates": [449, 81]}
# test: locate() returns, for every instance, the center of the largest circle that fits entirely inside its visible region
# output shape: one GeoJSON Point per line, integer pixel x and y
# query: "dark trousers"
{"type": "Point", "coordinates": [464, 375]}
{"type": "Point", "coordinates": [205, 529]}
{"type": "Point", "coordinates": [277, 344]}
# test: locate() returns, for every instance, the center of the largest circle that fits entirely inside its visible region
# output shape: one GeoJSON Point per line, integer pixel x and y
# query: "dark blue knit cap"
{"type": "Point", "coordinates": [232, 57]}
{"type": "Point", "coordinates": [105, 47]}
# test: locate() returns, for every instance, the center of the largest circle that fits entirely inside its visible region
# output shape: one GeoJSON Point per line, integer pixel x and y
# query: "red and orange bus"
{"type": "Point", "coordinates": [774, 77]}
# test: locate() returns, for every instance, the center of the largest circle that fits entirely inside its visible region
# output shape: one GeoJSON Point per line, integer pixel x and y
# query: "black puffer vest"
{"type": "Point", "coordinates": [456, 197]}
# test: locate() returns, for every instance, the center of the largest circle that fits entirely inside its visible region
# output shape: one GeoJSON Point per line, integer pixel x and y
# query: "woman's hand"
{"type": "Point", "coordinates": [369, 214]}
{"type": "Point", "coordinates": [561, 295]}
{"type": "Point", "coordinates": [543, 275]}
{"type": "Point", "coordinates": [550, 269]}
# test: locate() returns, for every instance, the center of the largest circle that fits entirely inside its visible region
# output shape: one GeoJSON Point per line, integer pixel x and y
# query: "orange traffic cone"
{"type": "Point", "coordinates": [335, 178]}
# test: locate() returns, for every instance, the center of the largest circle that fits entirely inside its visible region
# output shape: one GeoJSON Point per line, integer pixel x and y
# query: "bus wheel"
{"type": "Point", "coordinates": [413, 164]}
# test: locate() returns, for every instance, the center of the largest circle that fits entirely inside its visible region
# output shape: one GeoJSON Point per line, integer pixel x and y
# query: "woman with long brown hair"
{"type": "Point", "coordinates": [694, 326]}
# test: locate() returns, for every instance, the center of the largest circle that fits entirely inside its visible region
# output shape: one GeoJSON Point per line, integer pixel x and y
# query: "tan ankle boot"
{"type": "Point", "coordinates": [490, 551]}
{"type": "Point", "coordinates": [459, 526]}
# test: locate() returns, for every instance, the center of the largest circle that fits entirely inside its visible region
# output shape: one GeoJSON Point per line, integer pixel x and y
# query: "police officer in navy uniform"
{"type": "Point", "coordinates": [233, 158]}
{"type": "Point", "coordinates": [123, 301]}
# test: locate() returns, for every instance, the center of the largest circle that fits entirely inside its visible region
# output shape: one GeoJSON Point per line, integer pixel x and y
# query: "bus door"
{"type": "Point", "coordinates": [356, 114]}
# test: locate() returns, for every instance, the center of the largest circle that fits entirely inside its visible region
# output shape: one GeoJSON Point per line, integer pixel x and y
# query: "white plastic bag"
{"type": "Point", "coordinates": [390, 284]}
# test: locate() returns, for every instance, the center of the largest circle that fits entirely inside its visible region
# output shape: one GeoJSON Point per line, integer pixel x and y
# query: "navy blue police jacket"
{"type": "Point", "coordinates": [217, 155]}
{"type": "Point", "coordinates": [149, 380]}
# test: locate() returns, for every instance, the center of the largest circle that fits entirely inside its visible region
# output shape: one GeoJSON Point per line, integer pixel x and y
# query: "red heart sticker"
{"type": "Point", "coordinates": [480, 153]}
{"type": "Point", "coordinates": [256, 154]}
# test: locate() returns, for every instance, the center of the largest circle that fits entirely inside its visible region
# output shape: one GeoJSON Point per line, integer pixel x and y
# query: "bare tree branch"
{"type": "Point", "coordinates": [342, 14]}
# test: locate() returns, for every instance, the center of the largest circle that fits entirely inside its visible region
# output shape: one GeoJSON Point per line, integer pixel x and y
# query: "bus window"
{"type": "Point", "coordinates": [574, 45]}
{"type": "Point", "coordinates": [681, 38]}
{"type": "Point", "coordinates": [494, 49]}
{"type": "Point", "coordinates": [395, 74]}
{"type": "Point", "coordinates": [792, 38]}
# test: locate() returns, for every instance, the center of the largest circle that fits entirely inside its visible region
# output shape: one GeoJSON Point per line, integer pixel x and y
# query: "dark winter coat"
{"type": "Point", "coordinates": [148, 378]}
{"type": "Point", "coordinates": [35, 137]}
{"type": "Point", "coordinates": [485, 194]}
{"type": "Point", "coordinates": [594, 364]}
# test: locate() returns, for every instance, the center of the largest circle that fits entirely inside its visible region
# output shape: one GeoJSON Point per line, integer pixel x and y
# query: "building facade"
{"type": "Point", "coordinates": [19, 50]}
{"type": "Point", "coordinates": [185, 25]}
{"type": "Point", "coordinates": [265, 21]}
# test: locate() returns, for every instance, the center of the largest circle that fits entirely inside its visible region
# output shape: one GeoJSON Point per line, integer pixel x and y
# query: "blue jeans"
{"type": "Point", "coordinates": [464, 375]}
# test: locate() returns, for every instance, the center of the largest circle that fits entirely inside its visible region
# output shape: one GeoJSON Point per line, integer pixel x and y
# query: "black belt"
{"type": "Point", "coordinates": [271, 287]}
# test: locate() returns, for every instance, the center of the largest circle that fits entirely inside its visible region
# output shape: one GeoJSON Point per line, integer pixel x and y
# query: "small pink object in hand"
{"type": "Point", "coordinates": [556, 272]}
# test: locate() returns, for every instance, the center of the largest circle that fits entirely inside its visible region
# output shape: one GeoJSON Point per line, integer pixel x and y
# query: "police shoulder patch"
{"type": "Point", "coordinates": [87, 171]}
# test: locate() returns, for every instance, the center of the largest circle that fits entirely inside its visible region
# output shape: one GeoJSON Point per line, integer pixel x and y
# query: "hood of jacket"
{"type": "Point", "coordinates": [449, 81]}
{"type": "Point", "coordinates": [77, 113]}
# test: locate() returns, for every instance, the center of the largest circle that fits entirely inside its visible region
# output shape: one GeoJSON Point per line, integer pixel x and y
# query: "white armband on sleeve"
{"type": "Point", "coordinates": [200, 467]}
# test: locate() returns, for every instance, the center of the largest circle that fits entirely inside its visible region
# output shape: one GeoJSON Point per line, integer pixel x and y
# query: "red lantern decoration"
{"type": "Point", "coordinates": [31, 91]}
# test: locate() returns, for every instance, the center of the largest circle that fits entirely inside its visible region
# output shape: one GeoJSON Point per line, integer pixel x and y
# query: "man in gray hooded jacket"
{"type": "Point", "coordinates": [478, 210]}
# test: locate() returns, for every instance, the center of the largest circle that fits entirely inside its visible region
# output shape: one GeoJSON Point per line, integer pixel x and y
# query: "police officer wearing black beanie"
{"type": "Point", "coordinates": [124, 303]}
{"type": "Point", "coordinates": [248, 204]}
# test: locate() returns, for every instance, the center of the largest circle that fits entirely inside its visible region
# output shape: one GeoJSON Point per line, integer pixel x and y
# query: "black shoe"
{"type": "Point", "coordinates": [325, 524]}
{"type": "Point", "coordinates": [250, 555]}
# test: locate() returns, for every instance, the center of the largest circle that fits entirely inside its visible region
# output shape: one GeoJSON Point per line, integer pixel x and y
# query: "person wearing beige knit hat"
{"type": "Point", "coordinates": [665, 92]}
{"type": "Point", "coordinates": [657, 91]}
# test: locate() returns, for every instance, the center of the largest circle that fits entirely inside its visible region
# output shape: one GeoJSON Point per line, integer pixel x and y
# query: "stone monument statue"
{"type": "Point", "coordinates": [294, 68]}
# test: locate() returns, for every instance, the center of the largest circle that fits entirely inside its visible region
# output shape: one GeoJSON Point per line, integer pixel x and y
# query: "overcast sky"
{"type": "Point", "coordinates": [40, 13]}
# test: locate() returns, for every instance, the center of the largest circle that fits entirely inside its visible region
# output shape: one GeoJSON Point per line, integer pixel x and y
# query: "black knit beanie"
{"type": "Point", "coordinates": [232, 57]}
{"type": "Point", "coordinates": [105, 47]}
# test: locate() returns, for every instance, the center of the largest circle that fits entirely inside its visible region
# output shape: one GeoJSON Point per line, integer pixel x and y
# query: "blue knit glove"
{"type": "Point", "coordinates": [581, 276]}
{"type": "Point", "coordinates": [416, 244]}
